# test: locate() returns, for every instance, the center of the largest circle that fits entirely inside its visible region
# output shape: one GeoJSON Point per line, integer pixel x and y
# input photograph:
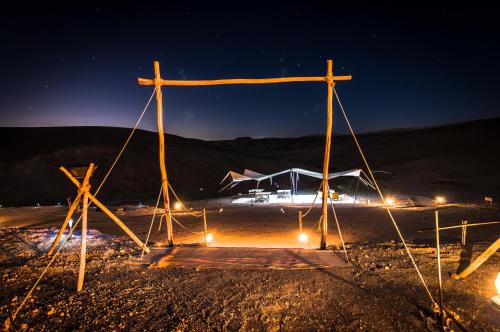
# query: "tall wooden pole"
{"type": "Point", "coordinates": [326, 160]}
{"type": "Point", "coordinates": [83, 248]}
{"type": "Point", "coordinates": [164, 179]}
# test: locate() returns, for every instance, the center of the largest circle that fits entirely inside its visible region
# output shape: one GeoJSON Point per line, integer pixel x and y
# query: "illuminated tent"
{"type": "Point", "coordinates": [249, 175]}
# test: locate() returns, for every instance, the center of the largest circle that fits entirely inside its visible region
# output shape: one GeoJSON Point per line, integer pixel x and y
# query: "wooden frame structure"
{"type": "Point", "coordinates": [84, 192]}
{"type": "Point", "coordinates": [329, 79]}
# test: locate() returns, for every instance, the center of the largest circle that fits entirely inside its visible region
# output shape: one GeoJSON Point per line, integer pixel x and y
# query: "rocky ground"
{"type": "Point", "coordinates": [380, 292]}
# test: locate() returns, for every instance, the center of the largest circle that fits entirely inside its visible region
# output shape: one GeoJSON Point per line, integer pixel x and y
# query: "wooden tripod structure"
{"type": "Point", "coordinates": [329, 79]}
{"type": "Point", "coordinates": [84, 192]}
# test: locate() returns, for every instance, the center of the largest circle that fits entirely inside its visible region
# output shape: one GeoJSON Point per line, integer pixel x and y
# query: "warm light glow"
{"type": "Point", "coordinates": [209, 238]}
{"type": "Point", "coordinates": [390, 201]}
{"type": "Point", "coordinates": [303, 237]}
{"type": "Point", "coordinates": [70, 222]}
{"type": "Point", "coordinates": [440, 200]}
{"type": "Point", "coordinates": [177, 206]}
{"type": "Point", "coordinates": [497, 283]}
{"type": "Point", "coordinates": [221, 209]}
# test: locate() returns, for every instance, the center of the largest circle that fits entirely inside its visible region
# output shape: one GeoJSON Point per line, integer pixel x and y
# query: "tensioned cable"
{"type": "Point", "coordinates": [46, 268]}
{"type": "Point", "coordinates": [314, 201]}
{"type": "Point", "coordinates": [383, 199]}
{"type": "Point", "coordinates": [152, 221]}
{"type": "Point", "coordinates": [180, 224]}
{"type": "Point", "coordinates": [126, 143]}
{"type": "Point", "coordinates": [95, 194]}
{"type": "Point", "coordinates": [182, 204]}
{"type": "Point", "coordinates": [338, 228]}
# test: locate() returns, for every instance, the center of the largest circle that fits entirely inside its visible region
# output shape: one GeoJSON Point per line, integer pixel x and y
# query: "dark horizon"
{"type": "Point", "coordinates": [388, 130]}
{"type": "Point", "coordinates": [412, 66]}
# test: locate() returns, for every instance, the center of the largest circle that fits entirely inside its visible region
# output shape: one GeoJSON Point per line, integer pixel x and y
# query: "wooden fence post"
{"type": "Point", "coordinates": [83, 248]}
{"type": "Point", "coordinates": [205, 228]}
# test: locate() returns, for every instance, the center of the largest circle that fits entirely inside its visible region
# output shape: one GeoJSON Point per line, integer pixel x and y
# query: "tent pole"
{"type": "Point", "coordinates": [326, 160]}
{"type": "Point", "coordinates": [164, 179]}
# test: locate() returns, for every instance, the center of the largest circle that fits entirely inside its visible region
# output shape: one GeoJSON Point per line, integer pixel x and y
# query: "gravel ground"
{"type": "Point", "coordinates": [380, 292]}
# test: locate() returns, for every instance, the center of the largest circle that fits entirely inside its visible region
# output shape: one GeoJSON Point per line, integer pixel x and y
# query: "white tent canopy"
{"type": "Point", "coordinates": [294, 176]}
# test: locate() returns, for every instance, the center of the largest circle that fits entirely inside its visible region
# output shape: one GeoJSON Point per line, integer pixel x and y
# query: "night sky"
{"type": "Point", "coordinates": [411, 66]}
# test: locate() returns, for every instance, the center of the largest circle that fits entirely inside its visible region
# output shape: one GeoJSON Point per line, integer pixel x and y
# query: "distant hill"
{"type": "Point", "coordinates": [459, 160]}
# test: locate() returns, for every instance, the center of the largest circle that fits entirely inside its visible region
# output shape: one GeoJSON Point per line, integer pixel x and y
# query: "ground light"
{"type": "Point", "coordinates": [177, 206]}
{"type": "Point", "coordinates": [440, 200]}
{"type": "Point", "coordinates": [496, 299]}
{"type": "Point", "coordinates": [209, 237]}
{"type": "Point", "coordinates": [390, 201]}
{"type": "Point", "coordinates": [303, 237]}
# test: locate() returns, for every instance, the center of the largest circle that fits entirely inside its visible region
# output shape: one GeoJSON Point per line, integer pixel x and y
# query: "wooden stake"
{"type": "Point", "coordinates": [205, 228]}
{"type": "Point", "coordinates": [438, 252]}
{"type": "Point", "coordinates": [464, 231]}
{"type": "Point", "coordinates": [83, 248]}
{"type": "Point", "coordinates": [326, 159]}
{"type": "Point", "coordinates": [163, 170]}
{"type": "Point", "coordinates": [300, 221]}
{"type": "Point", "coordinates": [73, 205]}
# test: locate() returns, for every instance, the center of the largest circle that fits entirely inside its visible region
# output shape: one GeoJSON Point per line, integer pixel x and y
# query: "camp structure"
{"type": "Point", "coordinates": [248, 175]}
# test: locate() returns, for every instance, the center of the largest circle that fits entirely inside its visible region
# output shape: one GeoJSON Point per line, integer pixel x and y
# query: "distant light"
{"type": "Point", "coordinates": [496, 299]}
{"type": "Point", "coordinates": [177, 206]}
{"type": "Point", "coordinates": [282, 211]}
{"type": "Point", "coordinates": [390, 201]}
{"type": "Point", "coordinates": [209, 237]}
{"type": "Point", "coordinates": [440, 200]}
{"type": "Point", "coordinates": [303, 237]}
{"type": "Point", "coordinates": [221, 209]}
{"type": "Point", "coordinates": [70, 223]}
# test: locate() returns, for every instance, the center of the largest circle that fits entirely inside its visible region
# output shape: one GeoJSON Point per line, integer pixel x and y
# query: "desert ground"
{"type": "Point", "coordinates": [378, 291]}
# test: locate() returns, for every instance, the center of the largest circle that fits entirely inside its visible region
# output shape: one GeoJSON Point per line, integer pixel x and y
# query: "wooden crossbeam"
{"type": "Point", "coordinates": [273, 80]}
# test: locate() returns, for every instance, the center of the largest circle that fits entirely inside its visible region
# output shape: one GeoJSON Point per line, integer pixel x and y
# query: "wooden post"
{"type": "Point", "coordinates": [438, 252]}
{"type": "Point", "coordinates": [73, 205]}
{"type": "Point", "coordinates": [106, 211]}
{"type": "Point", "coordinates": [163, 170]}
{"type": "Point", "coordinates": [83, 248]}
{"type": "Point", "coordinates": [300, 221]}
{"type": "Point", "coordinates": [205, 228]}
{"type": "Point", "coordinates": [464, 231]}
{"type": "Point", "coordinates": [326, 160]}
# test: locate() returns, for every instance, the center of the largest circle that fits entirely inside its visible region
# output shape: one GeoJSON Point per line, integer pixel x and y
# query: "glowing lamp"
{"type": "Point", "coordinates": [303, 237]}
{"type": "Point", "coordinates": [440, 200]}
{"type": "Point", "coordinates": [209, 238]}
{"type": "Point", "coordinates": [390, 201]}
{"type": "Point", "coordinates": [177, 206]}
{"type": "Point", "coordinates": [496, 299]}
{"type": "Point", "coordinates": [70, 223]}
